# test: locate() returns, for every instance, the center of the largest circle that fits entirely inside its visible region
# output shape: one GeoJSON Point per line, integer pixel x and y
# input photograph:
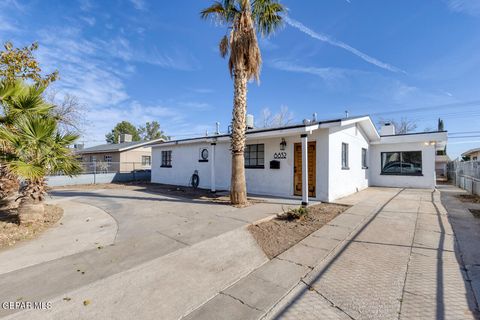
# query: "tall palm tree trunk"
{"type": "Point", "coordinates": [31, 207]}
{"type": "Point", "coordinates": [238, 188]}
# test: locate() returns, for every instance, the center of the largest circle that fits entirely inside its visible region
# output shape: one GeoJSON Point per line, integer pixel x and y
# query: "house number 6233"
{"type": "Point", "coordinates": [280, 155]}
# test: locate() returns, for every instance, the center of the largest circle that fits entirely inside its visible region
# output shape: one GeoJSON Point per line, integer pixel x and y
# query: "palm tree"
{"type": "Point", "coordinates": [32, 147]}
{"type": "Point", "coordinates": [16, 98]}
{"type": "Point", "coordinates": [243, 20]}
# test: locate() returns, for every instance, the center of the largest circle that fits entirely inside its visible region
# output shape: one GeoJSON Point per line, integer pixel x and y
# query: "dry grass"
{"type": "Point", "coordinates": [278, 235]}
{"type": "Point", "coordinates": [472, 198]}
{"type": "Point", "coordinates": [12, 232]}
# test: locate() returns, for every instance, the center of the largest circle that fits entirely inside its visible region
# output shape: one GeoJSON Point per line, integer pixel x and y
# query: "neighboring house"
{"type": "Point", "coordinates": [472, 154]}
{"type": "Point", "coordinates": [322, 160]}
{"type": "Point", "coordinates": [441, 162]}
{"type": "Point", "coordinates": [125, 156]}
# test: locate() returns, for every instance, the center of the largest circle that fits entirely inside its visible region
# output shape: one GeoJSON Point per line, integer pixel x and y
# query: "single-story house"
{"type": "Point", "coordinates": [125, 156]}
{"type": "Point", "coordinates": [472, 154]}
{"type": "Point", "coordinates": [320, 160]}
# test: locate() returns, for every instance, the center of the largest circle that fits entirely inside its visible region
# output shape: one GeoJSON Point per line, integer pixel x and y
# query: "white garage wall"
{"type": "Point", "coordinates": [428, 166]}
{"type": "Point", "coordinates": [345, 182]}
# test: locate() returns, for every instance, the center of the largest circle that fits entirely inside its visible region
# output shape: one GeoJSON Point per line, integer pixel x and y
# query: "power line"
{"type": "Point", "coordinates": [472, 103]}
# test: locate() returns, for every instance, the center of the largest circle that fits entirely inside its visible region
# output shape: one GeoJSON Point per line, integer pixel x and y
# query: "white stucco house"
{"type": "Point", "coordinates": [320, 160]}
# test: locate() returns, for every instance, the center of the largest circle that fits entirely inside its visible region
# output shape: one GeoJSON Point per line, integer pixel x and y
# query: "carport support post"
{"type": "Point", "coordinates": [304, 170]}
{"type": "Point", "coordinates": [212, 168]}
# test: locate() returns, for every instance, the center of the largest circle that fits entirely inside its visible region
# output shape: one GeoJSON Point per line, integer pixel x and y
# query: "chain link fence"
{"type": "Point", "coordinates": [465, 175]}
{"type": "Point", "coordinates": [104, 172]}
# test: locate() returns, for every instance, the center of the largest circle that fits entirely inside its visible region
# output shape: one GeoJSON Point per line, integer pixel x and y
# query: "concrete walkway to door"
{"type": "Point", "coordinates": [402, 262]}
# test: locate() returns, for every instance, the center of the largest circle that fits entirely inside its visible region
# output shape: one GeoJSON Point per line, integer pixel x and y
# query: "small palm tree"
{"type": "Point", "coordinates": [32, 147]}
{"type": "Point", "coordinates": [16, 99]}
{"type": "Point", "coordinates": [243, 19]}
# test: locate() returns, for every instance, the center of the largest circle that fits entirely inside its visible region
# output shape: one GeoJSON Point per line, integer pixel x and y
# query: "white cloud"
{"type": "Point", "coordinates": [326, 74]}
{"type": "Point", "coordinates": [138, 4]}
{"type": "Point", "coordinates": [471, 7]}
{"type": "Point", "coordinates": [324, 38]}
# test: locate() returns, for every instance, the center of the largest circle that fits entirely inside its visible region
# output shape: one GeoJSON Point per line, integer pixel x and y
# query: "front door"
{"type": "Point", "coordinates": [297, 169]}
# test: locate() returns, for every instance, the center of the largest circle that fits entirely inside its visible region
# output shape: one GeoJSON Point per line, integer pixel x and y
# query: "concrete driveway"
{"type": "Point", "coordinates": [138, 227]}
{"type": "Point", "coordinates": [392, 255]}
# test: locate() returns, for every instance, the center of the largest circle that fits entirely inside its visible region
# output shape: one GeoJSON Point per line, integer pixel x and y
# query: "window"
{"type": "Point", "coordinates": [255, 156]}
{"type": "Point", "coordinates": [364, 158]}
{"type": "Point", "coordinates": [93, 158]}
{"type": "Point", "coordinates": [345, 156]}
{"type": "Point", "coordinates": [107, 158]}
{"type": "Point", "coordinates": [146, 160]}
{"type": "Point", "coordinates": [408, 163]}
{"type": "Point", "coordinates": [167, 159]}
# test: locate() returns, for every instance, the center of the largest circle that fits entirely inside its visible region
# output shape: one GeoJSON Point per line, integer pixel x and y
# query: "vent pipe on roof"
{"type": "Point", "coordinates": [314, 118]}
{"type": "Point", "coordinates": [250, 121]}
{"type": "Point", "coordinates": [346, 113]}
{"type": "Point", "coordinates": [217, 127]}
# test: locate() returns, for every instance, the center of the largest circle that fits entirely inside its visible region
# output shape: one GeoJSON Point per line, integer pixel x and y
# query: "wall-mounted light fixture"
{"type": "Point", "coordinates": [283, 144]}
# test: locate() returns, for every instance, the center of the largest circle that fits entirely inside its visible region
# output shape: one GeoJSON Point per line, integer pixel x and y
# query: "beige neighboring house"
{"type": "Point", "coordinates": [125, 156]}
{"type": "Point", "coordinates": [473, 154]}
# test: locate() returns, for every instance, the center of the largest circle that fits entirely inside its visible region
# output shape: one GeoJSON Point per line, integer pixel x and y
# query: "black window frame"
{"type": "Point", "coordinates": [145, 163]}
{"type": "Point", "coordinates": [364, 158]}
{"type": "Point", "coordinates": [252, 156]}
{"type": "Point", "coordinates": [166, 159]}
{"type": "Point", "coordinates": [345, 150]}
{"type": "Point", "coordinates": [382, 172]}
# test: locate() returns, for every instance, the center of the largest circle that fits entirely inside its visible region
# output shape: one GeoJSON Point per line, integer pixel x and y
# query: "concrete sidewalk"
{"type": "Point", "coordinates": [391, 256]}
{"type": "Point", "coordinates": [401, 263]}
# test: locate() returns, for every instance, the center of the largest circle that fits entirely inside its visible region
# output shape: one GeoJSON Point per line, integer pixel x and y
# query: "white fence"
{"type": "Point", "coordinates": [104, 172]}
{"type": "Point", "coordinates": [465, 175]}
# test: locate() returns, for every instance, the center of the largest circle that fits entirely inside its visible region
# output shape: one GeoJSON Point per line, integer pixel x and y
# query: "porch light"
{"type": "Point", "coordinates": [283, 144]}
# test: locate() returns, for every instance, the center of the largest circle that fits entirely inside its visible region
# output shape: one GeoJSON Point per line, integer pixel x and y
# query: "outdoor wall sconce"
{"type": "Point", "coordinates": [283, 144]}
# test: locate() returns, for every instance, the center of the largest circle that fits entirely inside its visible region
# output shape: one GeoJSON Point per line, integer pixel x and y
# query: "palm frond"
{"type": "Point", "coordinates": [223, 12]}
{"type": "Point", "coordinates": [267, 16]}
{"type": "Point", "coordinates": [224, 46]}
{"type": "Point", "coordinates": [26, 170]}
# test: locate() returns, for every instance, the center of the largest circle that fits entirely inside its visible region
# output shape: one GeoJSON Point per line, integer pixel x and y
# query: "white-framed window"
{"type": "Point", "coordinates": [345, 156]}
{"type": "Point", "coordinates": [93, 158]}
{"type": "Point", "coordinates": [364, 158]}
{"type": "Point", "coordinates": [107, 158]}
{"type": "Point", "coordinates": [167, 159]}
{"type": "Point", "coordinates": [146, 160]}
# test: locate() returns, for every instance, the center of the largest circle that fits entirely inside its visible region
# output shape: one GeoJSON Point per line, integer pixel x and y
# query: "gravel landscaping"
{"type": "Point", "coordinates": [11, 232]}
{"type": "Point", "coordinates": [279, 234]}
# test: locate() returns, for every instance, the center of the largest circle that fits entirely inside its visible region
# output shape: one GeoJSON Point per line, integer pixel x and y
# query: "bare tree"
{"type": "Point", "coordinates": [68, 110]}
{"type": "Point", "coordinates": [282, 118]}
{"type": "Point", "coordinates": [402, 126]}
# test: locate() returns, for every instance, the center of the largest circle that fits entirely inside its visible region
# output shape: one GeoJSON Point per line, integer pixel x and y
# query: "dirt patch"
{"type": "Point", "coordinates": [472, 198]}
{"type": "Point", "coordinates": [475, 212]}
{"type": "Point", "coordinates": [12, 232]}
{"type": "Point", "coordinates": [220, 197]}
{"type": "Point", "coordinates": [278, 235]}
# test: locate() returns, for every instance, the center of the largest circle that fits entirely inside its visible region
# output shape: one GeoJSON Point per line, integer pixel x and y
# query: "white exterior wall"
{"type": "Point", "coordinates": [344, 182]}
{"type": "Point", "coordinates": [184, 163]}
{"type": "Point", "coordinates": [427, 180]}
{"type": "Point", "coordinates": [277, 182]}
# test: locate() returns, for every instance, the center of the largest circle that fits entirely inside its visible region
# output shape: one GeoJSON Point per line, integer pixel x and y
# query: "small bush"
{"type": "Point", "coordinates": [293, 214]}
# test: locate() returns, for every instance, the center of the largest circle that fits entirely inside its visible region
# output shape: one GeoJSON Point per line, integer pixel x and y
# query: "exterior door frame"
{"type": "Point", "coordinates": [312, 169]}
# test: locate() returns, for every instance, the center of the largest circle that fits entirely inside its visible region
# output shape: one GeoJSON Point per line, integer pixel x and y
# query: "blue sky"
{"type": "Point", "coordinates": [140, 60]}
